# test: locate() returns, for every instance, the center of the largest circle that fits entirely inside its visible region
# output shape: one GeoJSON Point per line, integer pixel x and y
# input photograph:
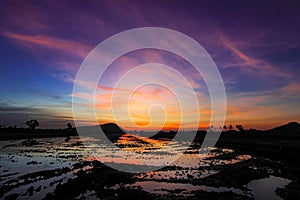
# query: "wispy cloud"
{"type": "Point", "coordinates": [11, 114]}
{"type": "Point", "coordinates": [249, 62]}
{"type": "Point", "coordinates": [60, 35]}
{"type": "Point", "coordinates": [65, 46]}
{"type": "Point", "coordinates": [292, 88]}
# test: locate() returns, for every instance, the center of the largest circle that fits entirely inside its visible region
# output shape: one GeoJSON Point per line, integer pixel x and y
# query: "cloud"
{"type": "Point", "coordinates": [65, 46]}
{"type": "Point", "coordinates": [238, 53]}
{"type": "Point", "coordinates": [292, 88]}
{"type": "Point", "coordinates": [6, 107]}
{"type": "Point", "coordinates": [60, 35]}
{"type": "Point", "coordinates": [264, 109]}
{"type": "Point", "coordinates": [247, 62]}
{"type": "Point", "coordinates": [14, 114]}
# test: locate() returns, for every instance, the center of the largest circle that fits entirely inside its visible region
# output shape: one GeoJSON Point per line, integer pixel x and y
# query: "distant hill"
{"type": "Point", "coordinates": [112, 131]}
{"type": "Point", "coordinates": [292, 127]}
{"type": "Point", "coordinates": [112, 128]}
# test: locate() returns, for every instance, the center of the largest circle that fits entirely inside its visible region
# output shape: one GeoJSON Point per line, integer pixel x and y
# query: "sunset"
{"type": "Point", "coordinates": [173, 85]}
{"type": "Point", "coordinates": [44, 44]}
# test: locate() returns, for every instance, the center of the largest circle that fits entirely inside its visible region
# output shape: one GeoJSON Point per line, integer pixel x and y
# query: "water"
{"type": "Point", "coordinates": [182, 189]}
{"type": "Point", "coordinates": [35, 169]}
{"type": "Point", "coordinates": [265, 188]}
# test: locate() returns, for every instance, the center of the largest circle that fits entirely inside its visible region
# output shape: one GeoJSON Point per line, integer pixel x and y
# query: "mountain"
{"type": "Point", "coordinates": [292, 127]}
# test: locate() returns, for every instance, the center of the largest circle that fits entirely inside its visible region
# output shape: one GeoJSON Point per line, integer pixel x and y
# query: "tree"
{"type": "Point", "coordinates": [32, 124]}
{"type": "Point", "coordinates": [240, 127]}
{"type": "Point", "coordinates": [225, 127]}
{"type": "Point", "coordinates": [230, 127]}
{"type": "Point", "coordinates": [69, 125]}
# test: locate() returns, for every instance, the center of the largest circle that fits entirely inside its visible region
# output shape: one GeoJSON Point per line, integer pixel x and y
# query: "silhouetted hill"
{"type": "Point", "coordinates": [292, 127]}
{"type": "Point", "coordinates": [112, 131]}
{"type": "Point", "coordinates": [112, 128]}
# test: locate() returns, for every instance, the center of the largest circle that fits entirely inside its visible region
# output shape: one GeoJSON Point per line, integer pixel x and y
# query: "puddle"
{"type": "Point", "coordinates": [180, 188]}
{"type": "Point", "coordinates": [264, 189]}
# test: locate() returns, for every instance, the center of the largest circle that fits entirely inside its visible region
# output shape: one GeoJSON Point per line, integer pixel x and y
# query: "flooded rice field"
{"type": "Point", "coordinates": [64, 168]}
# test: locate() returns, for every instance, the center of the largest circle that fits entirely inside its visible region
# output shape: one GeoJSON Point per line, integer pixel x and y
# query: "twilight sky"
{"type": "Point", "coordinates": [256, 46]}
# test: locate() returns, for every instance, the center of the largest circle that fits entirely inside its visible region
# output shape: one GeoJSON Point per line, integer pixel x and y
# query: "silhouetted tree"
{"type": "Point", "coordinates": [240, 127]}
{"type": "Point", "coordinates": [69, 125]}
{"type": "Point", "coordinates": [225, 127]}
{"type": "Point", "coordinates": [32, 124]}
{"type": "Point", "coordinates": [230, 127]}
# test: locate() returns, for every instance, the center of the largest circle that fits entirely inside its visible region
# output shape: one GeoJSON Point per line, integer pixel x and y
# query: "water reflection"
{"type": "Point", "coordinates": [178, 188]}
{"type": "Point", "coordinates": [35, 168]}
{"type": "Point", "coordinates": [264, 189]}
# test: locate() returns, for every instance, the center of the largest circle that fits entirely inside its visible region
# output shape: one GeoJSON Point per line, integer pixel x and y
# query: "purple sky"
{"type": "Point", "coordinates": [256, 46]}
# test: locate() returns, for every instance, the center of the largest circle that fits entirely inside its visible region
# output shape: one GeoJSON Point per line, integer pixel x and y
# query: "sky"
{"type": "Point", "coordinates": [255, 45]}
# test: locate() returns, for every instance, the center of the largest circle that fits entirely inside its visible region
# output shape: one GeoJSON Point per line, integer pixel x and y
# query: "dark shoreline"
{"type": "Point", "coordinates": [281, 143]}
{"type": "Point", "coordinates": [278, 147]}
{"type": "Point", "coordinates": [22, 133]}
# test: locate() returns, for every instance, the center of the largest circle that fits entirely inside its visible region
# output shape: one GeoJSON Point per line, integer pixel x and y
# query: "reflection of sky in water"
{"type": "Point", "coordinates": [268, 186]}
{"type": "Point", "coordinates": [186, 189]}
{"type": "Point", "coordinates": [55, 153]}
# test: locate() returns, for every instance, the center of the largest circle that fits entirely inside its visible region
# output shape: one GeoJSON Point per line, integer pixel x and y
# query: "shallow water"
{"type": "Point", "coordinates": [264, 189]}
{"type": "Point", "coordinates": [53, 160]}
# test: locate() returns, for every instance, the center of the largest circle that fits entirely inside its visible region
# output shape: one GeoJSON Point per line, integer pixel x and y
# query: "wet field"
{"type": "Point", "coordinates": [56, 168]}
